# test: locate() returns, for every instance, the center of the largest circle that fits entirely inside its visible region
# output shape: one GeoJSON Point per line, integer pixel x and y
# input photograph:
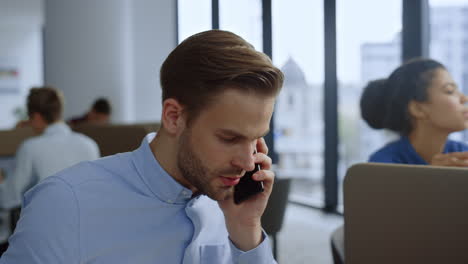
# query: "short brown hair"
{"type": "Point", "coordinates": [47, 101]}
{"type": "Point", "coordinates": [102, 106]}
{"type": "Point", "coordinates": [207, 63]}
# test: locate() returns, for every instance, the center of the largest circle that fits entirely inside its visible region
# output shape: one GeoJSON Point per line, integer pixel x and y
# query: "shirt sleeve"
{"type": "Point", "coordinates": [262, 254]}
{"type": "Point", "coordinates": [463, 147]}
{"type": "Point", "coordinates": [48, 230]}
{"type": "Point", "coordinates": [20, 179]}
{"type": "Point", "coordinates": [95, 152]}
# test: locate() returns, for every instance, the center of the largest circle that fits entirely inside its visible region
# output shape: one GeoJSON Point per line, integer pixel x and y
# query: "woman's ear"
{"type": "Point", "coordinates": [417, 110]}
{"type": "Point", "coordinates": [172, 117]}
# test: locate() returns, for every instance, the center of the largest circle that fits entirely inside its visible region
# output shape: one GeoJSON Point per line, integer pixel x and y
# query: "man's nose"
{"type": "Point", "coordinates": [245, 160]}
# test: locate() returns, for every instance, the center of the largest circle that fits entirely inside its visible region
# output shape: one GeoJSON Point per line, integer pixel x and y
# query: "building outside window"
{"type": "Point", "coordinates": [368, 48]}
{"type": "Point", "coordinates": [298, 38]}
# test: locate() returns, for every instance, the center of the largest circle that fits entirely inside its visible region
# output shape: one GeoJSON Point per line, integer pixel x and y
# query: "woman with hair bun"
{"type": "Point", "coordinates": [421, 102]}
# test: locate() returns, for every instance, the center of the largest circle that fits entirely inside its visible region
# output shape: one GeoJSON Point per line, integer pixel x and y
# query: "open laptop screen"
{"type": "Point", "coordinates": [405, 214]}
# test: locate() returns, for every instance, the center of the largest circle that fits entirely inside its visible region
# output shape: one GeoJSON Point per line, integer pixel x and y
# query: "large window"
{"type": "Point", "coordinates": [368, 48]}
{"type": "Point", "coordinates": [449, 41]}
{"type": "Point", "coordinates": [298, 50]}
{"type": "Point", "coordinates": [193, 17]}
{"type": "Point", "coordinates": [243, 17]}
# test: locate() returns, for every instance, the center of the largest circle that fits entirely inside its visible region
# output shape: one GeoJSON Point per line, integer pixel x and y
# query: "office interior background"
{"type": "Point", "coordinates": [327, 49]}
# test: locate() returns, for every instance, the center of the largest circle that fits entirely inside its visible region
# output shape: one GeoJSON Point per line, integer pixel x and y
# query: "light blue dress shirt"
{"type": "Point", "coordinates": [123, 209]}
{"type": "Point", "coordinates": [57, 148]}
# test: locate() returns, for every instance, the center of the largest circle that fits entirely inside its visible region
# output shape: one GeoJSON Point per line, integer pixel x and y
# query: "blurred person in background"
{"type": "Point", "coordinates": [55, 148]}
{"type": "Point", "coordinates": [99, 114]}
{"type": "Point", "coordinates": [421, 102]}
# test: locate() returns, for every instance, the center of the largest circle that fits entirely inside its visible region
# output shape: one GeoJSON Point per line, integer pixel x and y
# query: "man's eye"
{"type": "Point", "coordinates": [451, 90]}
{"type": "Point", "coordinates": [229, 139]}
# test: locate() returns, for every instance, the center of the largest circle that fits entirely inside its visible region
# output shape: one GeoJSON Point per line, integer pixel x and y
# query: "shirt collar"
{"type": "Point", "coordinates": [412, 151]}
{"type": "Point", "coordinates": [161, 184]}
{"type": "Point", "coordinates": [57, 128]}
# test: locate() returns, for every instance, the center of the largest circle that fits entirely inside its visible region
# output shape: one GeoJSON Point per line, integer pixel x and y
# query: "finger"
{"type": "Point", "coordinates": [264, 161]}
{"type": "Point", "coordinates": [442, 159]}
{"type": "Point", "coordinates": [438, 158]}
{"type": "Point", "coordinates": [267, 177]}
{"type": "Point", "coordinates": [262, 146]}
{"type": "Point", "coordinates": [448, 160]}
{"type": "Point", "coordinates": [460, 155]}
{"type": "Point", "coordinates": [458, 162]}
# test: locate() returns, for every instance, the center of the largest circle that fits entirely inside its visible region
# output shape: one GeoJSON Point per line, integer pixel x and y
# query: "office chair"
{"type": "Point", "coordinates": [272, 219]}
{"type": "Point", "coordinates": [337, 245]}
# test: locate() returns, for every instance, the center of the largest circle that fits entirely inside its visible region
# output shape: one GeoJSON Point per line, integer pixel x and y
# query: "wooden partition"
{"type": "Point", "coordinates": [113, 139]}
{"type": "Point", "coordinates": [10, 140]}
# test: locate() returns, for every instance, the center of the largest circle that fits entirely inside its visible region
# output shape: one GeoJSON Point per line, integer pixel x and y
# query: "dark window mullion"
{"type": "Point", "coordinates": [415, 29]}
{"type": "Point", "coordinates": [330, 108]}
{"type": "Point", "coordinates": [215, 14]}
{"type": "Point", "coordinates": [268, 50]}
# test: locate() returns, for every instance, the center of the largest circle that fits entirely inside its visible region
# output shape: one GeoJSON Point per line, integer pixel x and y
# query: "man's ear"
{"type": "Point", "coordinates": [173, 118]}
{"type": "Point", "coordinates": [36, 117]}
{"type": "Point", "coordinates": [417, 110]}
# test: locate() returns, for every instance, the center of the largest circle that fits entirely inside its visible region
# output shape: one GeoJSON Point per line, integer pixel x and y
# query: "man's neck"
{"type": "Point", "coordinates": [43, 128]}
{"type": "Point", "coordinates": [53, 123]}
{"type": "Point", "coordinates": [164, 149]}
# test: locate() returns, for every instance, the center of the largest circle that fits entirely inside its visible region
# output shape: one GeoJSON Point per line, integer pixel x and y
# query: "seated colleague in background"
{"type": "Point", "coordinates": [422, 103]}
{"type": "Point", "coordinates": [170, 200]}
{"type": "Point", "coordinates": [99, 113]}
{"type": "Point", "coordinates": [56, 148]}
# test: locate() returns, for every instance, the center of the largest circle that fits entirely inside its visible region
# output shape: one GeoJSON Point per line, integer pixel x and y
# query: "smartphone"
{"type": "Point", "coordinates": [247, 186]}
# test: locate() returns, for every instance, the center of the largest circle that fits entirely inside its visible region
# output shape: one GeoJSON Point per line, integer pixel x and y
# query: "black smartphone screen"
{"type": "Point", "coordinates": [247, 186]}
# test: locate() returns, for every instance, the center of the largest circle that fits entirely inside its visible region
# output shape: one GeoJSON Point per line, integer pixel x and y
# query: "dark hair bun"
{"type": "Point", "coordinates": [373, 103]}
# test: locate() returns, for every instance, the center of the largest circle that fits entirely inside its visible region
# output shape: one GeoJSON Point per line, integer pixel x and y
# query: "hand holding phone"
{"type": "Point", "coordinates": [247, 186]}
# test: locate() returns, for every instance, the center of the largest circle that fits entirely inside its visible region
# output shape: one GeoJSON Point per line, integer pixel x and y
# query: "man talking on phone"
{"type": "Point", "coordinates": [170, 200]}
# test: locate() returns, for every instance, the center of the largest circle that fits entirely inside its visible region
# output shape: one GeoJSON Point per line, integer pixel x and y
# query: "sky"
{"type": "Point", "coordinates": [298, 29]}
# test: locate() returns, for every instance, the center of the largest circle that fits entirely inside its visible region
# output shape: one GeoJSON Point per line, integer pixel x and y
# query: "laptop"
{"type": "Point", "coordinates": [405, 214]}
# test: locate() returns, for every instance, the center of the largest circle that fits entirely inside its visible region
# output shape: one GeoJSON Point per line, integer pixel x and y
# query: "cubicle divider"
{"type": "Point", "coordinates": [113, 139]}
{"type": "Point", "coordinates": [10, 140]}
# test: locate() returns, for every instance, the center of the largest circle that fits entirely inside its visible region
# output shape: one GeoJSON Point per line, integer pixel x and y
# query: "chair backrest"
{"type": "Point", "coordinates": [405, 214]}
{"type": "Point", "coordinates": [272, 219]}
{"type": "Point", "coordinates": [337, 245]}
{"type": "Point", "coordinates": [113, 139]}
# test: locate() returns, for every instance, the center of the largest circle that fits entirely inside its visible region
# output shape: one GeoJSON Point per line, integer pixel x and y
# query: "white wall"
{"type": "Point", "coordinates": [109, 48]}
{"type": "Point", "coordinates": [86, 53]}
{"type": "Point", "coordinates": [154, 37]}
{"type": "Point", "coordinates": [21, 41]}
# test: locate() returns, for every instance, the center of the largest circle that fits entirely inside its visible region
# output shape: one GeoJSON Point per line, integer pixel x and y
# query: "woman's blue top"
{"type": "Point", "coordinates": [401, 151]}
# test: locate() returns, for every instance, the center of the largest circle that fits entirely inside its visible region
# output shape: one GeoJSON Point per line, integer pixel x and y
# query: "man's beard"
{"type": "Point", "coordinates": [198, 175]}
